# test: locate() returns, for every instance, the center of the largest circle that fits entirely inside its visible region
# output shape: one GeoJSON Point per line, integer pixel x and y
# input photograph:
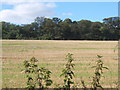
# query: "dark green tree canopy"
{"type": "Point", "coordinates": [56, 29]}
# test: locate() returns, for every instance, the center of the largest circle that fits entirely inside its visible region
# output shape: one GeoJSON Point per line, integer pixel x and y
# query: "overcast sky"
{"type": "Point", "coordinates": [24, 12]}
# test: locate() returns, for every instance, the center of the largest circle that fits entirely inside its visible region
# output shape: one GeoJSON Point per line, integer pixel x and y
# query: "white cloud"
{"type": "Point", "coordinates": [51, 5]}
{"type": "Point", "coordinates": [19, 1]}
{"type": "Point", "coordinates": [23, 12]}
{"type": "Point", "coordinates": [15, 2]}
{"type": "Point", "coordinates": [67, 14]}
{"type": "Point", "coordinates": [23, 1]}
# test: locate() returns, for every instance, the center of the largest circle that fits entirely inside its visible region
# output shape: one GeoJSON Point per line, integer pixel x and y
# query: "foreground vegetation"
{"type": "Point", "coordinates": [51, 55]}
{"type": "Point", "coordinates": [39, 77]}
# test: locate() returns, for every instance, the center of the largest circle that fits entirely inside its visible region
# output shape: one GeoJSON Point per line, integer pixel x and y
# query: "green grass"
{"type": "Point", "coordinates": [14, 44]}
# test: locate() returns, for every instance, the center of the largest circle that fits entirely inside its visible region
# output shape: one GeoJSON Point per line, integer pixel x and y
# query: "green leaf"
{"type": "Point", "coordinates": [106, 68]}
{"type": "Point", "coordinates": [72, 73]}
{"type": "Point", "coordinates": [48, 82]}
{"type": "Point", "coordinates": [62, 74]}
{"type": "Point", "coordinates": [93, 66]}
{"type": "Point", "coordinates": [99, 56]}
{"type": "Point", "coordinates": [71, 82]}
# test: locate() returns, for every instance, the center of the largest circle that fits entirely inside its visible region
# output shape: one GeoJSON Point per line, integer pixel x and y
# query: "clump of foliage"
{"type": "Point", "coordinates": [39, 77]}
{"type": "Point", "coordinates": [57, 29]}
{"type": "Point", "coordinates": [98, 73]}
{"type": "Point", "coordinates": [36, 77]}
{"type": "Point", "coordinates": [67, 72]}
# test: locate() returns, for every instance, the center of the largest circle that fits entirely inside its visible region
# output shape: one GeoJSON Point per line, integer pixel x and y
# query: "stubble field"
{"type": "Point", "coordinates": [51, 54]}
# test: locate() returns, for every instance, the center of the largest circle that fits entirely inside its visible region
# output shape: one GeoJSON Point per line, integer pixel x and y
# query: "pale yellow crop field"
{"type": "Point", "coordinates": [51, 54]}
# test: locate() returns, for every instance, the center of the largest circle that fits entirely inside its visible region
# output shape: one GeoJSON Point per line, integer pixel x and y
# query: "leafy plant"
{"type": "Point", "coordinates": [98, 73]}
{"type": "Point", "coordinates": [36, 77]}
{"type": "Point", "coordinates": [115, 48]}
{"type": "Point", "coordinates": [44, 75]}
{"type": "Point", "coordinates": [67, 72]}
{"type": "Point", "coordinates": [83, 84]}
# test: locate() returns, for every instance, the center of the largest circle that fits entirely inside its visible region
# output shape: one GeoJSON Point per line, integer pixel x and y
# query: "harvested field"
{"type": "Point", "coordinates": [51, 54]}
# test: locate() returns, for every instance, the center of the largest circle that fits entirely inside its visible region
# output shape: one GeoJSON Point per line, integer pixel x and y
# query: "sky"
{"type": "Point", "coordinates": [24, 12]}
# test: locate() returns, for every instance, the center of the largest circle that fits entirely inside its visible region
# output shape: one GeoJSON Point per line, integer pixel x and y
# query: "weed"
{"type": "Point", "coordinates": [67, 72]}
{"type": "Point", "coordinates": [36, 77]}
{"type": "Point", "coordinates": [83, 84]}
{"type": "Point", "coordinates": [98, 73]}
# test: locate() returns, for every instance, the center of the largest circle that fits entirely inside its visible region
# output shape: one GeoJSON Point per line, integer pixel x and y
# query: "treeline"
{"type": "Point", "coordinates": [57, 29]}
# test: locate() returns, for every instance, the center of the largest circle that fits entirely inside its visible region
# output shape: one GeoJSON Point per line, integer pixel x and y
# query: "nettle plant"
{"type": "Point", "coordinates": [67, 72]}
{"type": "Point", "coordinates": [98, 73]}
{"type": "Point", "coordinates": [36, 77]}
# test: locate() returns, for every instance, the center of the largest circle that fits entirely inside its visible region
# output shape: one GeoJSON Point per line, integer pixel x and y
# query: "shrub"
{"type": "Point", "coordinates": [98, 73]}
{"type": "Point", "coordinates": [36, 77]}
{"type": "Point", "coordinates": [67, 71]}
